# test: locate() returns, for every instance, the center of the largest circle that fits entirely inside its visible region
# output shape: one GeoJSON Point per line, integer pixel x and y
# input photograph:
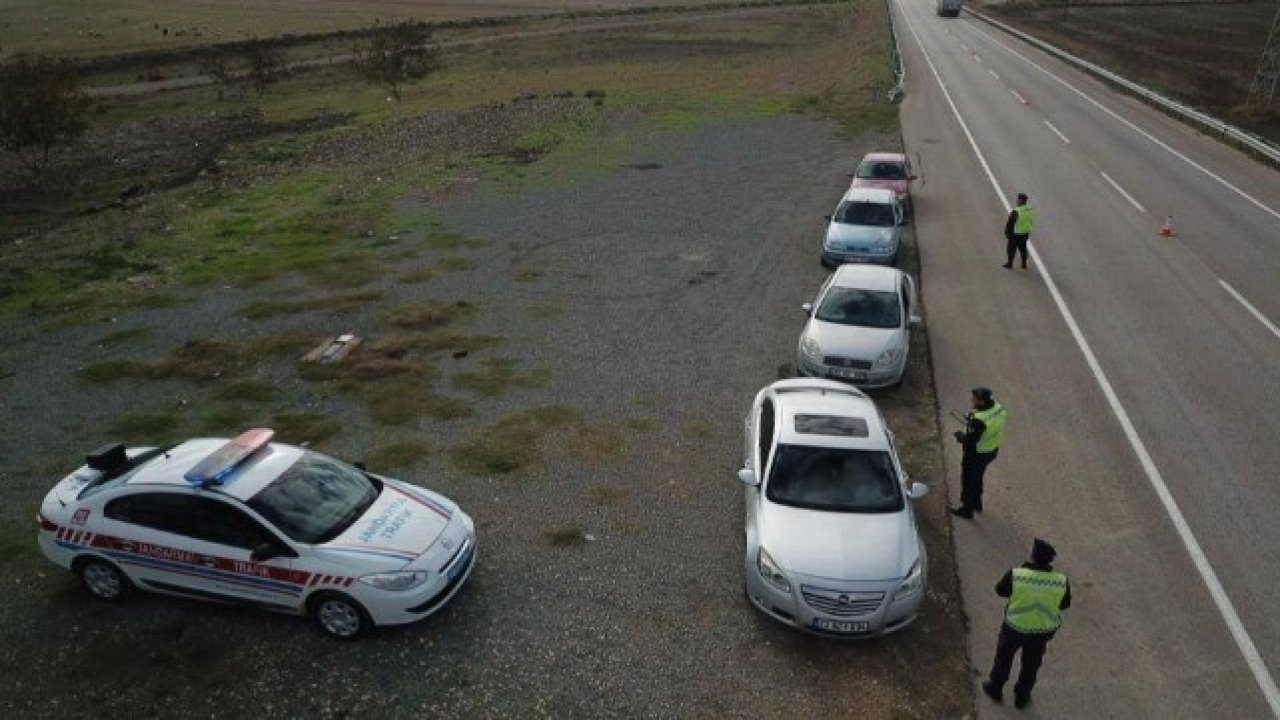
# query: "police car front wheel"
{"type": "Point", "coordinates": [340, 617]}
{"type": "Point", "coordinates": [103, 580]}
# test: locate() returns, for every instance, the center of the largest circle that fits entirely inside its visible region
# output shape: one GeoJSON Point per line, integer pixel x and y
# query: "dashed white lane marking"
{"type": "Point", "coordinates": [1220, 180]}
{"type": "Point", "coordinates": [993, 74]}
{"type": "Point", "coordinates": [1121, 190]}
{"type": "Point", "coordinates": [1252, 658]}
{"type": "Point", "coordinates": [1020, 98]}
{"type": "Point", "coordinates": [1057, 132]}
{"type": "Point", "coordinates": [1249, 306]}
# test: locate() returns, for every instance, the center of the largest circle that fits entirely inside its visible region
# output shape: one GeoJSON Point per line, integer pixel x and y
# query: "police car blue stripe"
{"type": "Point", "coordinates": [423, 498]}
{"type": "Point", "coordinates": [200, 570]}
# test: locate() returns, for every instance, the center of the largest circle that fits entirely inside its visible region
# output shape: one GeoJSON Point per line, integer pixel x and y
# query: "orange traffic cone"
{"type": "Point", "coordinates": [1166, 230]}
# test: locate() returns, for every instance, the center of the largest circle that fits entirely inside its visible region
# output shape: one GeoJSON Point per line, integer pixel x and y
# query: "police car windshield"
{"type": "Point", "coordinates": [316, 499]}
{"type": "Point", "coordinates": [834, 479]}
{"type": "Point", "coordinates": [862, 308]}
{"type": "Point", "coordinates": [857, 212]}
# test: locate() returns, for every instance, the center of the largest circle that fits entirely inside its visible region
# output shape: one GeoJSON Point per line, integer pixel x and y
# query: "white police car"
{"type": "Point", "coordinates": [261, 523]}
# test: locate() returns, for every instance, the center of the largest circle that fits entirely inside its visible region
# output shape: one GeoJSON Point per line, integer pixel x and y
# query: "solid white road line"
{"type": "Point", "coordinates": [1120, 190]}
{"type": "Point", "coordinates": [1057, 132]}
{"type": "Point", "coordinates": [1261, 675]}
{"type": "Point", "coordinates": [1020, 98]}
{"type": "Point", "coordinates": [1221, 180]}
{"type": "Point", "coordinates": [1249, 306]}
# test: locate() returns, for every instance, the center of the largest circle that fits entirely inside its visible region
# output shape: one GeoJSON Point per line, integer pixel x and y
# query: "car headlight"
{"type": "Point", "coordinates": [912, 583]}
{"type": "Point", "coordinates": [810, 348]}
{"type": "Point", "coordinates": [888, 357]}
{"type": "Point", "coordinates": [396, 581]}
{"type": "Point", "coordinates": [770, 572]}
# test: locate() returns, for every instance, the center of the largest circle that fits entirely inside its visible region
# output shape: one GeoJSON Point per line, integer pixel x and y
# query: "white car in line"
{"type": "Point", "coordinates": [859, 327]}
{"type": "Point", "coordinates": [832, 546]}
{"type": "Point", "coordinates": [259, 523]}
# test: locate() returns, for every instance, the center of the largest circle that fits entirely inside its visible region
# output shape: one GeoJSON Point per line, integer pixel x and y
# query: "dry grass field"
{"type": "Point", "coordinates": [1203, 53]}
{"type": "Point", "coordinates": [88, 27]}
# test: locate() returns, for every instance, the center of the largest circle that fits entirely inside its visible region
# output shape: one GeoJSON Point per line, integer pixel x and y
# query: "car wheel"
{"type": "Point", "coordinates": [338, 616]}
{"type": "Point", "coordinates": [103, 580]}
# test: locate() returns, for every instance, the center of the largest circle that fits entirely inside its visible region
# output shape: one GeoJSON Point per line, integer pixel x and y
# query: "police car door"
{"type": "Point", "coordinates": [145, 534]}
{"type": "Point", "coordinates": [244, 560]}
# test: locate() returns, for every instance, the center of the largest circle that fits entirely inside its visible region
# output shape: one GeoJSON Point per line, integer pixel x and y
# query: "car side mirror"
{"type": "Point", "coordinates": [848, 175]}
{"type": "Point", "coordinates": [748, 477]}
{"type": "Point", "coordinates": [266, 551]}
{"type": "Point", "coordinates": [918, 490]}
{"type": "Point", "coordinates": [913, 178]}
{"type": "Point", "coordinates": [807, 308]}
{"type": "Point", "coordinates": [916, 321]}
{"type": "Point", "coordinates": [827, 218]}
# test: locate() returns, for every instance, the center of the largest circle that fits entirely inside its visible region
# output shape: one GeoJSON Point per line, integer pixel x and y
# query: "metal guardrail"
{"type": "Point", "coordinates": [1241, 137]}
{"type": "Point", "coordinates": [899, 67]}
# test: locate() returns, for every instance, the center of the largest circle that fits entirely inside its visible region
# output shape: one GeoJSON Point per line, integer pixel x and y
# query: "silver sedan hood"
{"type": "Point", "coordinates": [840, 235]}
{"type": "Point", "coordinates": [838, 546]}
{"type": "Point", "coordinates": [851, 341]}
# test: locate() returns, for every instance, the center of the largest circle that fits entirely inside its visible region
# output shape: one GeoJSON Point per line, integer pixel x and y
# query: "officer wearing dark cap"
{"type": "Point", "coordinates": [981, 438]}
{"type": "Point", "coordinates": [1037, 596]}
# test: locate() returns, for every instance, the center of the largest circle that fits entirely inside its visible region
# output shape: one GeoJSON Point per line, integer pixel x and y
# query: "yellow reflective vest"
{"type": "Point", "coordinates": [1026, 218]}
{"type": "Point", "coordinates": [993, 418]}
{"type": "Point", "coordinates": [1034, 605]}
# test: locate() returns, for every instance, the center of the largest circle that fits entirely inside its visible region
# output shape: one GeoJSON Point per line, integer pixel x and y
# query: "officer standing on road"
{"type": "Point", "coordinates": [1017, 229]}
{"type": "Point", "coordinates": [984, 430]}
{"type": "Point", "coordinates": [1037, 596]}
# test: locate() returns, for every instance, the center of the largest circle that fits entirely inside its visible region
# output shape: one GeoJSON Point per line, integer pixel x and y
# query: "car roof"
{"type": "Point", "coordinates": [866, 194]}
{"type": "Point", "coordinates": [826, 397]}
{"type": "Point", "coordinates": [867, 277]}
{"type": "Point", "coordinates": [884, 156]}
{"type": "Point", "coordinates": [250, 476]}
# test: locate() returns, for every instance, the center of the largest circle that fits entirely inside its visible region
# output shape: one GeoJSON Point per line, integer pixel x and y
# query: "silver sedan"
{"type": "Point", "coordinates": [832, 546]}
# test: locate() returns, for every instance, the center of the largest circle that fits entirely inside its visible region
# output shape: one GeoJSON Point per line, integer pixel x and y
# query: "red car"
{"type": "Point", "coordinates": [890, 171]}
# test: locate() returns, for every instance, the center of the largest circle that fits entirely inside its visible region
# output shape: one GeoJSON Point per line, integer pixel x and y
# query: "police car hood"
{"type": "Point", "coordinates": [397, 529]}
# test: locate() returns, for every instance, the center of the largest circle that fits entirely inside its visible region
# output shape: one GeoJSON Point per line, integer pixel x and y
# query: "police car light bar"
{"type": "Point", "coordinates": [219, 464]}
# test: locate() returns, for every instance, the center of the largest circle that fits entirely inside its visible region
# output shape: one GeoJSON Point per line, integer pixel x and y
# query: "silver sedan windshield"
{"type": "Point", "coordinates": [834, 479]}
{"type": "Point", "coordinates": [864, 308]}
{"type": "Point", "coordinates": [865, 213]}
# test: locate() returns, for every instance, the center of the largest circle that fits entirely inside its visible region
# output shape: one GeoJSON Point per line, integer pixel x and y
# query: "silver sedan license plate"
{"type": "Point", "coordinates": [849, 374]}
{"type": "Point", "coordinates": [839, 626]}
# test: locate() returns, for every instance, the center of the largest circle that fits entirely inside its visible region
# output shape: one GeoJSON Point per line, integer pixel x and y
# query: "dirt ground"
{"type": "Point", "coordinates": [1204, 54]}
{"type": "Point", "coordinates": [568, 300]}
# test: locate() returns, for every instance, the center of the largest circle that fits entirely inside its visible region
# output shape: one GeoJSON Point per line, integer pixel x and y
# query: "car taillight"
{"type": "Point", "coordinates": [45, 523]}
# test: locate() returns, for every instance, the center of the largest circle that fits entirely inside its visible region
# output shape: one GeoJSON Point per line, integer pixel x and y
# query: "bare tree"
{"type": "Point", "coordinates": [41, 107]}
{"type": "Point", "coordinates": [264, 64]}
{"type": "Point", "coordinates": [397, 54]}
{"type": "Point", "coordinates": [219, 65]}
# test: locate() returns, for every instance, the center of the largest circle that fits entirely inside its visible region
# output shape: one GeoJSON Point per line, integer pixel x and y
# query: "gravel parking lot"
{"type": "Point", "coordinates": [655, 299]}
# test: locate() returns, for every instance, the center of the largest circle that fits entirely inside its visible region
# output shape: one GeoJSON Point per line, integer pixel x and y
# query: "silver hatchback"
{"type": "Point", "coordinates": [832, 546]}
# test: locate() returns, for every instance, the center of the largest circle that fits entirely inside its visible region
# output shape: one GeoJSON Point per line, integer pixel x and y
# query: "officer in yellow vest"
{"type": "Point", "coordinates": [1037, 596]}
{"type": "Point", "coordinates": [981, 438]}
{"type": "Point", "coordinates": [1017, 230]}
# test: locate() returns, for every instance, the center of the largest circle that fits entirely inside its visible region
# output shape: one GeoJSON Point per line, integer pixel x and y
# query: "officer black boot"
{"type": "Point", "coordinates": [963, 511]}
{"type": "Point", "coordinates": [993, 692]}
{"type": "Point", "coordinates": [1020, 700]}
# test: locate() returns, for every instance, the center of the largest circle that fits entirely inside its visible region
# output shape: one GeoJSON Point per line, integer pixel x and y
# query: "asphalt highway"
{"type": "Point", "coordinates": [1142, 373]}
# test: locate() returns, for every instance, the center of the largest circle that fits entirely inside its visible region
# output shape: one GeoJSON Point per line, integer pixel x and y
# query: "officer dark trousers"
{"type": "Point", "coordinates": [1016, 244]}
{"type": "Point", "coordinates": [973, 465]}
{"type": "Point", "coordinates": [1032, 646]}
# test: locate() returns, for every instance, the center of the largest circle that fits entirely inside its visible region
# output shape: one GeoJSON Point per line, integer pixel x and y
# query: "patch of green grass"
{"type": "Point", "coordinates": [528, 275]}
{"type": "Point", "coordinates": [457, 263]}
{"type": "Point", "coordinates": [146, 427]}
{"type": "Point", "coordinates": [299, 427]}
{"type": "Point", "coordinates": [107, 371]}
{"type": "Point", "coordinates": [429, 315]}
{"type": "Point", "coordinates": [415, 277]}
{"type": "Point", "coordinates": [406, 403]}
{"type": "Point", "coordinates": [610, 495]}
{"type": "Point", "coordinates": [242, 390]}
{"type": "Point", "coordinates": [565, 537]}
{"type": "Point", "coordinates": [543, 311]}
{"type": "Point", "coordinates": [124, 335]}
{"type": "Point", "coordinates": [333, 304]}
{"type": "Point", "coordinates": [511, 444]}
{"type": "Point", "coordinates": [451, 242]}
{"type": "Point", "coordinates": [638, 423]}
{"type": "Point", "coordinates": [497, 376]}
{"type": "Point", "coordinates": [19, 552]}
{"type": "Point", "coordinates": [397, 455]}
{"type": "Point", "coordinates": [698, 428]}
{"type": "Point", "coordinates": [225, 420]}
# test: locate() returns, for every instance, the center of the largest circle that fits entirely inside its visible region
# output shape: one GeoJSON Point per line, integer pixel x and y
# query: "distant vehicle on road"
{"type": "Point", "coordinates": [859, 328]}
{"type": "Point", "coordinates": [832, 544]}
{"type": "Point", "coordinates": [258, 523]}
{"type": "Point", "coordinates": [866, 227]}
{"type": "Point", "coordinates": [891, 171]}
{"type": "Point", "coordinates": [949, 8]}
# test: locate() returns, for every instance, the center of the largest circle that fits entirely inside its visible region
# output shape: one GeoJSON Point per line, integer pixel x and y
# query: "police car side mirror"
{"type": "Point", "coordinates": [266, 551]}
{"type": "Point", "coordinates": [748, 477]}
